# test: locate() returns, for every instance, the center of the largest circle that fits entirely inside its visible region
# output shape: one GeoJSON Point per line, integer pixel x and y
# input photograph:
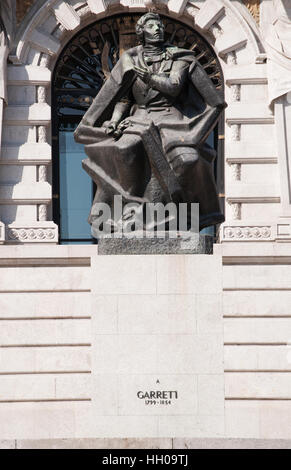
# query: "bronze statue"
{"type": "Point", "coordinates": [145, 132]}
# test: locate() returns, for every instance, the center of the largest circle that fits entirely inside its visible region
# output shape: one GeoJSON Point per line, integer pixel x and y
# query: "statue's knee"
{"type": "Point", "coordinates": [129, 150]}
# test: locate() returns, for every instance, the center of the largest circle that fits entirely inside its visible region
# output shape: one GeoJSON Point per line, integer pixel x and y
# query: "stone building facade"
{"type": "Point", "coordinates": [50, 372]}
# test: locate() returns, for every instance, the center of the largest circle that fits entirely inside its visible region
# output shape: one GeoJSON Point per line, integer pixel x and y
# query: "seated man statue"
{"type": "Point", "coordinates": [145, 131]}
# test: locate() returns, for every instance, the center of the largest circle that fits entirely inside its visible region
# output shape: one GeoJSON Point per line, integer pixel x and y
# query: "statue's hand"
{"type": "Point", "coordinates": [111, 127]}
{"type": "Point", "coordinates": [142, 73]}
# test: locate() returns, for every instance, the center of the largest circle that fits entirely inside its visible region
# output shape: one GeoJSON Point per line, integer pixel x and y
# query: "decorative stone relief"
{"type": "Point", "coordinates": [42, 178]}
{"type": "Point", "coordinates": [236, 211]}
{"type": "Point", "coordinates": [247, 233]}
{"type": "Point", "coordinates": [42, 173]}
{"type": "Point", "coordinates": [235, 132]}
{"type": "Point", "coordinates": [235, 92]}
{"type": "Point", "coordinates": [41, 94]}
{"type": "Point", "coordinates": [231, 58]}
{"type": "Point", "coordinates": [44, 60]}
{"type": "Point", "coordinates": [32, 234]}
{"type": "Point", "coordinates": [42, 169]}
{"type": "Point", "coordinates": [236, 171]}
{"type": "Point", "coordinates": [42, 212]}
{"type": "Point", "coordinates": [216, 30]}
{"type": "Point", "coordinates": [42, 134]}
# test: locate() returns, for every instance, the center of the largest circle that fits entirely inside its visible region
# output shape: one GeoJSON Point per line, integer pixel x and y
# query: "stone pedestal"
{"type": "Point", "coordinates": [157, 346]}
{"type": "Point", "coordinates": [193, 243]}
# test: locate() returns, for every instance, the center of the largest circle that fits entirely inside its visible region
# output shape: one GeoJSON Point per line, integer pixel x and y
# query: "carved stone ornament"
{"type": "Point", "coordinates": [247, 233]}
{"type": "Point", "coordinates": [32, 234]}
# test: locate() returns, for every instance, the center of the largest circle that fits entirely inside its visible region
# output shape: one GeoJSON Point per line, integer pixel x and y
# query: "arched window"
{"type": "Point", "coordinates": [80, 72]}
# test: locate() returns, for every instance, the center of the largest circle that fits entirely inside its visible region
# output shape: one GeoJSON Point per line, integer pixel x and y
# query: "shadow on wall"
{"type": "Point", "coordinates": [18, 135]}
{"type": "Point", "coordinates": [9, 213]}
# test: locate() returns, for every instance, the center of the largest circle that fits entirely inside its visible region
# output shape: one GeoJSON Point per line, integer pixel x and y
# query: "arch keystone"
{"type": "Point", "coordinates": [66, 15]}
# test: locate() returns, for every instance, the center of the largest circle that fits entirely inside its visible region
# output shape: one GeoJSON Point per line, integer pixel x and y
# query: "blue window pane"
{"type": "Point", "coordinates": [75, 189]}
{"type": "Point", "coordinates": [210, 140]}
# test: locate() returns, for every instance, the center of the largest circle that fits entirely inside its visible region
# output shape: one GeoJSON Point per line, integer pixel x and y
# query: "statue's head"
{"type": "Point", "coordinates": [150, 29]}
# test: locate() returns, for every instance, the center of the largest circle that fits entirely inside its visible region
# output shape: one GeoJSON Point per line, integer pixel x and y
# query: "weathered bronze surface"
{"type": "Point", "coordinates": [145, 131]}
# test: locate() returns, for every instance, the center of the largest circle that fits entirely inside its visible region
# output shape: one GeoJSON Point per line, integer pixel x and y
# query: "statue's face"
{"type": "Point", "coordinates": [153, 32]}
